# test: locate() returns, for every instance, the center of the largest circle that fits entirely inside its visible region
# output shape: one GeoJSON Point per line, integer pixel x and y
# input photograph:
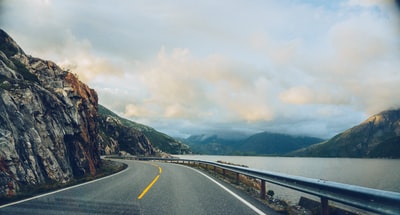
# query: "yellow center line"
{"type": "Point", "coordinates": [151, 183]}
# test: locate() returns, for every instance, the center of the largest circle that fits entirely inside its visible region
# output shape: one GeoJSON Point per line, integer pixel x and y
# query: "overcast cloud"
{"type": "Point", "coordinates": [190, 67]}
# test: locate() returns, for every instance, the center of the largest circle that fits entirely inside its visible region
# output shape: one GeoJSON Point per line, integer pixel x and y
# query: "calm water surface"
{"type": "Point", "coordinates": [383, 174]}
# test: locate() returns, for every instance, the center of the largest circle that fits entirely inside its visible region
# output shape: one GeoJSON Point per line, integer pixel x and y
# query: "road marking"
{"type": "Point", "coordinates": [151, 183]}
{"type": "Point", "coordinates": [57, 191]}
{"type": "Point", "coordinates": [248, 204]}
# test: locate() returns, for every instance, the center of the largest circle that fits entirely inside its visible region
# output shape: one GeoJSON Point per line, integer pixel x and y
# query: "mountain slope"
{"type": "Point", "coordinates": [275, 143]}
{"type": "Point", "coordinates": [116, 137]}
{"type": "Point", "coordinates": [264, 143]}
{"type": "Point", "coordinates": [378, 136]}
{"type": "Point", "coordinates": [210, 144]}
{"type": "Point", "coordinates": [159, 140]}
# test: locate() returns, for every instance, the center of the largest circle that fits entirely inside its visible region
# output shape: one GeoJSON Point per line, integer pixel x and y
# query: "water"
{"type": "Point", "coordinates": [383, 174]}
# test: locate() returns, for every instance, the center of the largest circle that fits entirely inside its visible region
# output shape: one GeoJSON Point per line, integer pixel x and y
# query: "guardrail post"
{"type": "Point", "coordinates": [324, 206]}
{"type": "Point", "coordinates": [237, 178]}
{"type": "Point", "coordinates": [262, 191]}
{"type": "Point", "coordinates": [373, 200]}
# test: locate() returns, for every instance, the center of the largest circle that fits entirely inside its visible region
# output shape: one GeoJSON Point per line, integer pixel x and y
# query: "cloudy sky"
{"type": "Point", "coordinates": [191, 67]}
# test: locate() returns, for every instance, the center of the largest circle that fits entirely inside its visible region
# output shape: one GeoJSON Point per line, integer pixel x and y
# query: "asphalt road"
{"type": "Point", "coordinates": [144, 188]}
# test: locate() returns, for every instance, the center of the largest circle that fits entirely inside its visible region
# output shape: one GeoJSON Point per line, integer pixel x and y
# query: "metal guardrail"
{"type": "Point", "coordinates": [373, 200]}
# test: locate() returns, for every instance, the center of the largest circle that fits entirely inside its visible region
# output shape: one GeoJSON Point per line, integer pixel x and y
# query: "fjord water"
{"type": "Point", "coordinates": [383, 174]}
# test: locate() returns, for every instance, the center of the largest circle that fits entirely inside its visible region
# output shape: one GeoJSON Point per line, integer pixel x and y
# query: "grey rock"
{"type": "Point", "coordinates": [48, 127]}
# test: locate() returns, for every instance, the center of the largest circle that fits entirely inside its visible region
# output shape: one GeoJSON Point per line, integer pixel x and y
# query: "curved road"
{"type": "Point", "coordinates": [143, 188]}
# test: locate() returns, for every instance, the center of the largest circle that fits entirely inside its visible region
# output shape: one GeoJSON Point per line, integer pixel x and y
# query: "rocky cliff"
{"type": "Point", "coordinates": [378, 136]}
{"type": "Point", "coordinates": [48, 122]}
{"type": "Point", "coordinates": [116, 137]}
{"type": "Point", "coordinates": [119, 134]}
{"type": "Point", "coordinates": [52, 128]}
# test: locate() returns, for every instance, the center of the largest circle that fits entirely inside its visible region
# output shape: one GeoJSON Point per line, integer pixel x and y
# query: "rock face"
{"type": "Point", "coordinates": [116, 137]}
{"type": "Point", "coordinates": [116, 131]}
{"type": "Point", "coordinates": [48, 122]}
{"type": "Point", "coordinates": [378, 136]}
{"type": "Point", "coordinates": [50, 127]}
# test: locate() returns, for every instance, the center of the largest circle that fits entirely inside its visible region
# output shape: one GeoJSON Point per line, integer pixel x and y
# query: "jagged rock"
{"type": "Point", "coordinates": [117, 137]}
{"type": "Point", "coordinates": [48, 128]}
{"type": "Point", "coordinates": [135, 138]}
{"type": "Point", "coordinates": [49, 124]}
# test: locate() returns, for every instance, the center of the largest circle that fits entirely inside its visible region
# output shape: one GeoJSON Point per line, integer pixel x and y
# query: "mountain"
{"type": "Point", "coordinates": [275, 143]}
{"type": "Point", "coordinates": [116, 137]}
{"type": "Point", "coordinates": [210, 144]}
{"type": "Point", "coordinates": [264, 143]}
{"type": "Point", "coordinates": [48, 122]}
{"type": "Point", "coordinates": [117, 131]}
{"type": "Point", "coordinates": [378, 136]}
{"type": "Point", "coordinates": [52, 129]}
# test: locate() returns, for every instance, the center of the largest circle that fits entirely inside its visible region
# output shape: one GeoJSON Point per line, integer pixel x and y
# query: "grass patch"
{"type": "Point", "coordinates": [3, 82]}
{"type": "Point", "coordinates": [21, 69]}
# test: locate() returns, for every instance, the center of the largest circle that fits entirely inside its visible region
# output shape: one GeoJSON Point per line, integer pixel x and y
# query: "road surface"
{"type": "Point", "coordinates": [144, 188]}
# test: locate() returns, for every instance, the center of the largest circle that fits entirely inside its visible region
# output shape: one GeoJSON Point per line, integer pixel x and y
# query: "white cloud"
{"type": "Point", "coordinates": [298, 95]}
{"type": "Point", "coordinates": [370, 3]}
{"type": "Point", "coordinates": [200, 64]}
{"type": "Point", "coordinates": [193, 88]}
{"type": "Point", "coordinates": [132, 110]}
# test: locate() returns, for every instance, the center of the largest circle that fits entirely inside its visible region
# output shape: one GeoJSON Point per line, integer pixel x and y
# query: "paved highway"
{"type": "Point", "coordinates": [144, 188]}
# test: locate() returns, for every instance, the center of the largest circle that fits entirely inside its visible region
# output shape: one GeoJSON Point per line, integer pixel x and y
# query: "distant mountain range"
{"type": "Point", "coordinates": [376, 137]}
{"type": "Point", "coordinates": [265, 143]}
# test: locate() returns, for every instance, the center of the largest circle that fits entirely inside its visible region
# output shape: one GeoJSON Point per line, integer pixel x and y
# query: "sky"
{"type": "Point", "coordinates": [230, 66]}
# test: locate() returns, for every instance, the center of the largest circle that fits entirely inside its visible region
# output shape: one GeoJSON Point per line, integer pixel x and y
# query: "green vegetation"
{"type": "Point", "coordinates": [374, 138]}
{"type": "Point", "coordinates": [158, 139]}
{"type": "Point", "coordinates": [275, 143]}
{"type": "Point", "coordinates": [21, 69]}
{"type": "Point", "coordinates": [265, 143]}
{"type": "Point", "coordinates": [3, 78]}
{"type": "Point", "coordinates": [355, 144]}
{"type": "Point", "coordinates": [270, 193]}
{"type": "Point", "coordinates": [3, 84]}
{"type": "Point", "coordinates": [387, 149]}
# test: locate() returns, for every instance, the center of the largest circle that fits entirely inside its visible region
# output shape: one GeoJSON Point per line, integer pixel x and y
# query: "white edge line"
{"type": "Point", "coordinates": [63, 189]}
{"type": "Point", "coordinates": [254, 208]}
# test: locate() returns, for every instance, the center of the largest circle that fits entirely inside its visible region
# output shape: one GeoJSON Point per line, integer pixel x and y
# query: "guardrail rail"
{"type": "Point", "coordinates": [373, 200]}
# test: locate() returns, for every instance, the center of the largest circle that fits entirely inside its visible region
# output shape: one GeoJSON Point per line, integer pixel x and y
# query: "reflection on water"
{"type": "Point", "coordinates": [383, 174]}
